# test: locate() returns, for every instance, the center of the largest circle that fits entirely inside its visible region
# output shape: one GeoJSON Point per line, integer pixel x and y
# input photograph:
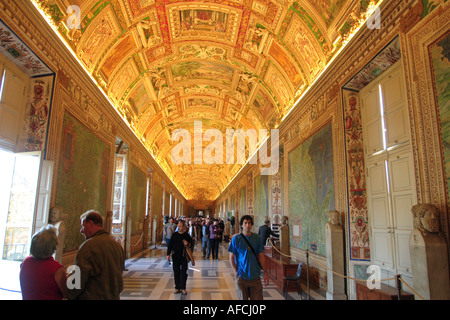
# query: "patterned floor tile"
{"type": "Point", "coordinates": [150, 277]}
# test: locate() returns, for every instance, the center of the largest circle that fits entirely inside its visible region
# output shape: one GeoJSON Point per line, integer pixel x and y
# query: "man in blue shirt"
{"type": "Point", "coordinates": [245, 262]}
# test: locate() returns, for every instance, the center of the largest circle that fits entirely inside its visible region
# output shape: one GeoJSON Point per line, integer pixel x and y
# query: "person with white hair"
{"type": "Point", "coordinates": [41, 277]}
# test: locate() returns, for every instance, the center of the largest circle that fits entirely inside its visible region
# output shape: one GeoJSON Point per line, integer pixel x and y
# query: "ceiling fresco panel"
{"type": "Point", "coordinates": [308, 51]}
{"type": "Point", "coordinates": [281, 88]}
{"type": "Point", "coordinates": [330, 9]}
{"type": "Point", "coordinates": [202, 71]}
{"type": "Point", "coordinates": [139, 98]}
{"type": "Point", "coordinates": [286, 64]}
{"type": "Point", "coordinates": [127, 75]}
{"type": "Point", "coordinates": [227, 64]}
{"type": "Point", "coordinates": [264, 105]}
{"type": "Point", "coordinates": [100, 33]}
{"type": "Point", "coordinates": [124, 48]}
{"type": "Point", "coordinates": [138, 8]}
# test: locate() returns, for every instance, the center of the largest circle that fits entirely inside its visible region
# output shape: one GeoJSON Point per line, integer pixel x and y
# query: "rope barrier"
{"type": "Point", "coordinates": [412, 290]}
{"type": "Point", "coordinates": [344, 276]}
{"type": "Point", "coordinates": [387, 279]}
{"type": "Point", "coordinates": [134, 245]}
{"type": "Point", "coordinates": [341, 275]}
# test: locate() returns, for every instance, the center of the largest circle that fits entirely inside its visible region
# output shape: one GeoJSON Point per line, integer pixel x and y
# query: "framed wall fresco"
{"type": "Point", "coordinates": [157, 208]}
{"type": "Point", "coordinates": [167, 205]}
{"type": "Point", "coordinates": [137, 197]}
{"type": "Point", "coordinates": [20, 54]}
{"type": "Point", "coordinates": [383, 61]}
{"type": "Point", "coordinates": [357, 192]}
{"type": "Point", "coordinates": [249, 208]}
{"type": "Point", "coordinates": [82, 177]}
{"type": "Point", "coordinates": [311, 191]}
{"type": "Point", "coordinates": [261, 204]}
{"type": "Point", "coordinates": [37, 113]}
{"type": "Point", "coordinates": [440, 58]}
{"type": "Point", "coordinates": [242, 201]}
{"type": "Point", "coordinates": [232, 205]}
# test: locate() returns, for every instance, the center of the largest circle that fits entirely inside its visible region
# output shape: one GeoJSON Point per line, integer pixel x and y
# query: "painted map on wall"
{"type": "Point", "coordinates": [137, 197]}
{"type": "Point", "coordinates": [157, 208]}
{"type": "Point", "coordinates": [311, 191]}
{"type": "Point", "coordinates": [232, 208]}
{"type": "Point", "coordinates": [440, 56]}
{"type": "Point", "coordinates": [261, 203]}
{"type": "Point", "coordinates": [242, 201]}
{"type": "Point", "coordinates": [82, 177]}
{"type": "Point", "coordinates": [167, 205]}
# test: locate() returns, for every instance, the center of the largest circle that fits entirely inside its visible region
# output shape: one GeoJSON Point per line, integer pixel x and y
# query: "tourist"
{"type": "Point", "coordinates": [41, 277]}
{"type": "Point", "coordinates": [101, 261]}
{"type": "Point", "coordinates": [247, 260]}
{"type": "Point", "coordinates": [180, 240]}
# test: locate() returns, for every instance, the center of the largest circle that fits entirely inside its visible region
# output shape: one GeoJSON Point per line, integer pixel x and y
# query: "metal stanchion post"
{"type": "Point", "coordinates": [307, 273]}
{"type": "Point", "coordinates": [143, 246]}
{"type": "Point", "coordinates": [399, 287]}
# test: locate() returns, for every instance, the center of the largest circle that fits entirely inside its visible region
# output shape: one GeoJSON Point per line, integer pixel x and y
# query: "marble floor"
{"type": "Point", "coordinates": [150, 277]}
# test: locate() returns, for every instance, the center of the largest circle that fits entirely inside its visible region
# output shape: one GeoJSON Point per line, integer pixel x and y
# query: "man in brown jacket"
{"type": "Point", "coordinates": [101, 261]}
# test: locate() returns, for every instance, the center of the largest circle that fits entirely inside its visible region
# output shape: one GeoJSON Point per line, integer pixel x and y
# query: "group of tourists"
{"type": "Point", "coordinates": [245, 253]}
{"type": "Point", "coordinates": [100, 260]}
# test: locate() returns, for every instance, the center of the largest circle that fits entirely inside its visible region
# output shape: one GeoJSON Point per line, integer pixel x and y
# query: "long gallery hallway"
{"type": "Point", "coordinates": [150, 277]}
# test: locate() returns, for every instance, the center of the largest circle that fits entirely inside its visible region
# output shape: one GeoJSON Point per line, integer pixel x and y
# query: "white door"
{"type": "Point", "coordinates": [373, 138]}
{"type": "Point", "coordinates": [380, 213]}
{"type": "Point", "coordinates": [394, 103]}
{"type": "Point", "coordinates": [391, 190]}
{"type": "Point", "coordinates": [403, 198]}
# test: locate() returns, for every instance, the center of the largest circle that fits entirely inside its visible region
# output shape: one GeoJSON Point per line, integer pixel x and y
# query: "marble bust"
{"type": "Point", "coordinates": [429, 254]}
{"type": "Point", "coordinates": [426, 218]}
{"type": "Point", "coordinates": [56, 219]}
{"type": "Point", "coordinates": [334, 217]}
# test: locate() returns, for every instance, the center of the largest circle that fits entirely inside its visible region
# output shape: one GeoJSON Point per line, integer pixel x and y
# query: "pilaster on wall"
{"type": "Point", "coordinates": [425, 117]}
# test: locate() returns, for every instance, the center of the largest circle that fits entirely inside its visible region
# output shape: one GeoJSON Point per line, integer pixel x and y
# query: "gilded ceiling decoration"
{"type": "Point", "coordinates": [232, 64]}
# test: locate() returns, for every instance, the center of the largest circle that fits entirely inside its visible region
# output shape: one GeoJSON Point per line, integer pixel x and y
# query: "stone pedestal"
{"type": "Point", "coordinates": [128, 237]}
{"type": "Point", "coordinates": [61, 233]}
{"type": "Point", "coordinates": [154, 231]}
{"type": "Point", "coordinates": [334, 235]}
{"type": "Point", "coordinates": [146, 229]}
{"type": "Point", "coordinates": [429, 260]}
{"type": "Point", "coordinates": [108, 222]}
{"type": "Point", "coordinates": [285, 247]}
{"type": "Point", "coordinates": [57, 219]}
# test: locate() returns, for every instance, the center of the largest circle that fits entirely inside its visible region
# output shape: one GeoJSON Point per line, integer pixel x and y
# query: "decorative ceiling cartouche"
{"type": "Point", "coordinates": [231, 64]}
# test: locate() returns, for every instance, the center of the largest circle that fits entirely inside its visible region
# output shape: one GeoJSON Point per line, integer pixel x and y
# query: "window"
{"type": "Point", "coordinates": [119, 188]}
{"type": "Point", "coordinates": [13, 89]}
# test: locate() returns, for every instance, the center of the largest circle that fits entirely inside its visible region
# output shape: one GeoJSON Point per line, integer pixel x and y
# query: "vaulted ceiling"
{"type": "Point", "coordinates": [232, 64]}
